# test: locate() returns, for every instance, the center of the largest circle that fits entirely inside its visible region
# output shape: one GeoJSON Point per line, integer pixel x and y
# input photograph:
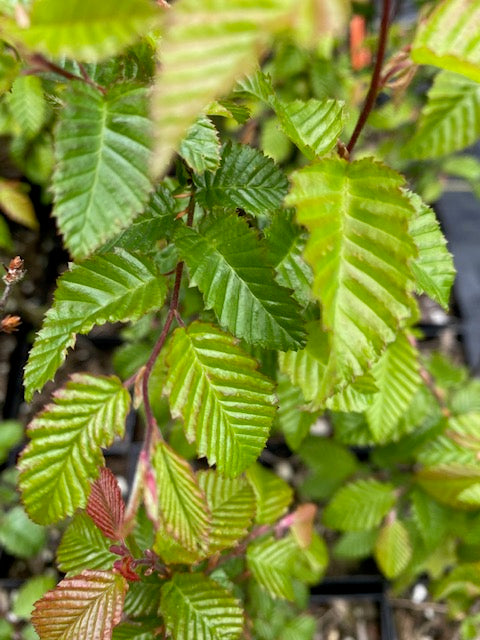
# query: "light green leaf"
{"type": "Point", "coordinates": [83, 546]}
{"type": "Point", "coordinates": [393, 549]}
{"type": "Point", "coordinates": [355, 545]}
{"type": "Point", "coordinates": [397, 378]}
{"type": "Point", "coordinates": [272, 564]}
{"type": "Point", "coordinates": [27, 105]}
{"type": "Point", "coordinates": [64, 455]}
{"type": "Point", "coordinates": [19, 535]}
{"type": "Point", "coordinates": [101, 179]}
{"type": "Point", "coordinates": [273, 495]}
{"type": "Point", "coordinates": [226, 262]}
{"type": "Point", "coordinates": [201, 146]}
{"type": "Point", "coordinates": [449, 39]}
{"type": "Point", "coordinates": [433, 268]}
{"type": "Point", "coordinates": [314, 126]}
{"type": "Point", "coordinates": [86, 606]}
{"type": "Point", "coordinates": [286, 242]}
{"type": "Point", "coordinates": [359, 249]}
{"type": "Point", "coordinates": [450, 120]}
{"type": "Point", "coordinates": [227, 406]}
{"type": "Point", "coordinates": [182, 504]}
{"type": "Point", "coordinates": [31, 591]}
{"type": "Point", "coordinates": [356, 396]}
{"type": "Point", "coordinates": [432, 519]}
{"type": "Point", "coordinates": [85, 29]}
{"type": "Point", "coordinates": [16, 204]}
{"type": "Point", "coordinates": [302, 627]}
{"type": "Point", "coordinates": [207, 46]}
{"type": "Point", "coordinates": [311, 562]}
{"type": "Point", "coordinates": [194, 606]}
{"type": "Point", "coordinates": [11, 433]}
{"type": "Point", "coordinates": [447, 482]}
{"type": "Point", "coordinates": [232, 505]}
{"type": "Point", "coordinates": [116, 287]}
{"type": "Point", "coordinates": [360, 505]}
{"type": "Point", "coordinates": [293, 419]}
{"type": "Point", "coordinates": [246, 179]}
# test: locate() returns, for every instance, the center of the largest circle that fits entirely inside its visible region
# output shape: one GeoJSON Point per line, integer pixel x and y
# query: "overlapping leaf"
{"type": "Point", "coordinates": [83, 546]}
{"type": "Point", "coordinates": [393, 549]}
{"type": "Point", "coordinates": [232, 505]}
{"type": "Point", "coordinates": [360, 505]}
{"type": "Point", "coordinates": [226, 404]}
{"type": "Point", "coordinates": [27, 105]}
{"type": "Point", "coordinates": [105, 505]}
{"type": "Point", "coordinates": [452, 484]}
{"type": "Point", "coordinates": [108, 288]}
{"type": "Point", "coordinates": [450, 120]}
{"type": "Point", "coordinates": [397, 378]}
{"type": "Point", "coordinates": [201, 147]}
{"type": "Point", "coordinates": [86, 606]}
{"type": "Point", "coordinates": [226, 262]}
{"type": "Point", "coordinates": [194, 606]}
{"type": "Point", "coordinates": [182, 504]}
{"type": "Point", "coordinates": [85, 29]}
{"type": "Point", "coordinates": [271, 563]}
{"type": "Point", "coordinates": [293, 419]}
{"type": "Point", "coordinates": [273, 495]}
{"type": "Point", "coordinates": [246, 179]}
{"type": "Point", "coordinates": [102, 150]}
{"type": "Point", "coordinates": [449, 38]}
{"type": "Point", "coordinates": [64, 454]}
{"type": "Point", "coordinates": [208, 45]}
{"type": "Point", "coordinates": [286, 242]}
{"type": "Point", "coordinates": [359, 249]}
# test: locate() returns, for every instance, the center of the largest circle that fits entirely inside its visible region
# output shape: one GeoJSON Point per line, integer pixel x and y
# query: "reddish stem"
{"type": "Point", "coordinates": [375, 82]}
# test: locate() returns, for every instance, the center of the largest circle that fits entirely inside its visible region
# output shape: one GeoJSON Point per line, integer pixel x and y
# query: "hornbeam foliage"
{"type": "Point", "coordinates": [227, 406]}
{"type": "Point", "coordinates": [64, 454]}
{"type": "Point", "coordinates": [115, 287]}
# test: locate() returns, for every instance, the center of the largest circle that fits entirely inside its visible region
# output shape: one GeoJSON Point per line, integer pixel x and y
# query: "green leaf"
{"type": "Point", "coordinates": [201, 147]}
{"type": "Point", "coordinates": [431, 518]}
{"type": "Point", "coordinates": [302, 627]}
{"type": "Point", "coordinates": [147, 229]}
{"type": "Point", "coordinates": [286, 242]}
{"type": "Point", "coordinates": [355, 545]}
{"type": "Point", "coordinates": [86, 606]}
{"type": "Point", "coordinates": [64, 455]}
{"type": "Point", "coordinates": [448, 482]}
{"type": "Point", "coordinates": [449, 39]}
{"type": "Point", "coordinates": [143, 598]}
{"type": "Point", "coordinates": [273, 495]}
{"type": "Point", "coordinates": [312, 561]}
{"type": "Point", "coordinates": [359, 249]}
{"type": "Point", "coordinates": [207, 46]}
{"type": "Point", "coordinates": [145, 630]}
{"type": "Point", "coordinates": [329, 465]}
{"type": "Point", "coordinates": [5, 236]}
{"type": "Point", "coordinates": [16, 204]}
{"type": "Point", "coordinates": [393, 549]}
{"type": "Point", "coordinates": [450, 120]}
{"type": "Point", "coordinates": [111, 288]}
{"type": "Point", "coordinates": [83, 546]}
{"type": "Point", "coordinates": [294, 422]}
{"type": "Point", "coordinates": [19, 535]}
{"type": "Point", "coordinates": [226, 404]}
{"type": "Point", "coordinates": [356, 396]}
{"type": "Point", "coordinates": [246, 179]}
{"type": "Point", "coordinates": [397, 378]}
{"type": "Point", "coordinates": [194, 606]}
{"type": "Point", "coordinates": [360, 505]}
{"type": "Point", "coordinates": [433, 268]}
{"type": "Point", "coordinates": [226, 262]}
{"type": "Point", "coordinates": [85, 29]}
{"type": "Point", "coordinates": [101, 179]}
{"type": "Point", "coordinates": [232, 505]}
{"type": "Point", "coordinates": [182, 503]}
{"type": "Point", "coordinates": [314, 126]}
{"type": "Point", "coordinates": [27, 105]}
{"type": "Point", "coordinates": [11, 434]}
{"type": "Point", "coordinates": [31, 591]}
{"type": "Point", "coordinates": [271, 563]}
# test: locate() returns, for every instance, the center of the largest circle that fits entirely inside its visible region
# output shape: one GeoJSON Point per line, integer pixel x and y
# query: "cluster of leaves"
{"type": "Point", "coordinates": [299, 298]}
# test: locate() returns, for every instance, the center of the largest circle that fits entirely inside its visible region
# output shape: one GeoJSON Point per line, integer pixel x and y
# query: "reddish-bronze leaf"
{"type": "Point", "coordinates": [105, 505]}
{"type": "Point", "coordinates": [86, 606]}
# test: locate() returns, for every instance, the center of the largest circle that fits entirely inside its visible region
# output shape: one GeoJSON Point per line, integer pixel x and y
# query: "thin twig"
{"type": "Point", "coordinates": [40, 63]}
{"type": "Point", "coordinates": [376, 77]}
